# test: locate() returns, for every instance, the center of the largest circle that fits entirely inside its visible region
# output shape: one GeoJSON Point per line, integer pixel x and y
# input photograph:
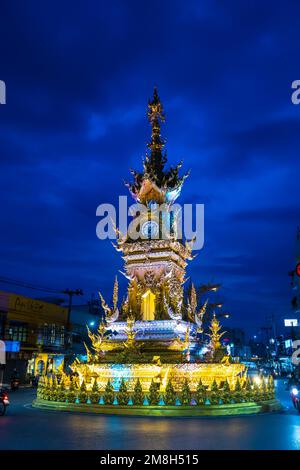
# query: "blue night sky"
{"type": "Point", "coordinates": [78, 77]}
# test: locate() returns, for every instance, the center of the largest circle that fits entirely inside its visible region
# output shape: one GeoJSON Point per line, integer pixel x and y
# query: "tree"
{"type": "Point", "coordinates": [138, 395]}
{"type": "Point", "coordinates": [214, 396]}
{"type": "Point", "coordinates": [95, 394]}
{"type": "Point", "coordinates": [271, 387]}
{"type": "Point", "coordinates": [153, 393]}
{"type": "Point", "coordinates": [123, 395]}
{"type": "Point", "coordinates": [226, 392]}
{"type": "Point", "coordinates": [53, 388]}
{"type": "Point", "coordinates": [83, 396]}
{"type": "Point", "coordinates": [247, 389]}
{"type": "Point", "coordinates": [41, 390]}
{"type": "Point", "coordinates": [109, 394]}
{"type": "Point", "coordinates": [238, 395]}
{"type": "Point", "coordinates": [185, 396]}
{"type": "Point", "coordinates": [61, 393]}
{"type": "Point", "coordinates": [263, 390]}
{"type": "Point", "coordinates": [255, 394]}
{"type": "Point", "coordinates": [201, 393]}
{"type": "Point", "coordinates": [72, 392]}
{"type": "Point", "coordinates": [170, 394]}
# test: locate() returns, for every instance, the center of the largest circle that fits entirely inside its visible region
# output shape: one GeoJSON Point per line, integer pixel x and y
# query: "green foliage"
{"type": "Point", "coordinates": [263, 390]}
{"type": "Point", "coordinates": [123, 395]}
{"type": "Point", "coordinates": [214, 395]}
{"type": "Point", "coordinates": [83, 395]}
{"type": "Point", "coordinates": [271, 387]}
{"type": "Point", "coordinates": [95, 393]}
{"type": "Point", "coordinates": [201, 394]}
{"type": "Point", "coordinates": [238, 394]}
{"type": "Point", "coordinates": [41, 388]}
{"type": "Point", "coordinates": [185, 395]}
{"type": "Point", "coordinates": [53, 389]}
{"type": "Point", "coordinates": [226, 394]}
{"type": "Point", "coordinates": [255, 393]}
{"type": "Point", "coordinates": [138, 395]}
{"type": "Point", "coordinates": [109, 394]}
{"type": "Point", "coordinates": [153, 393]}
{"type": "Point", "coordinates": [214, 387]}
{"type": "Point", "coordinates": [72, 395]}
{"type": "Point", "coordinates": [247, 390]}
{"type": "Point", "coordinates": [170, 394]}
{"type": "Point", "coordinates": [45, 389]}
{"type": "Point", "coordinates": [95, 387]}
{"type": "Point", "coordinates": [83, 386]}
{"type": "Point", "coordinates": [61, 394]}
{"type": "Point", "coordinates": [60, 391]}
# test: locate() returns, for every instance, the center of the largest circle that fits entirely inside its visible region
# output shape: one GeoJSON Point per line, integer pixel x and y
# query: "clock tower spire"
{"type": "Point", "coordinates": [156, 117]}
{"type": "Point", "coordinates": [155, 183]}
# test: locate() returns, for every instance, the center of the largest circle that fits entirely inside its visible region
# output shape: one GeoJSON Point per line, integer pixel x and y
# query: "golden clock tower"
{"type": "Point", "coordinates": [155, 263]}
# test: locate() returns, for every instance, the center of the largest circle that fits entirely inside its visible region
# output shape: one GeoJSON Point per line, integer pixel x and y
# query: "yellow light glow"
{"type": "Point", "coordinates": [159, 373]}
{"type": "Point", "coordinates": [257, 380]}
{"type": "Point", "coordinates": [148, 305]}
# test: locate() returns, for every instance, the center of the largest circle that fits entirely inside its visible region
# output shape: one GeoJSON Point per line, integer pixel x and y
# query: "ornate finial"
{"type": "Point", "coordinates": [215, 334]}
{"type": "Point", "coordinates": [155, 108]}
{"type": "Point", "coordinates": [156, 116]}
{"type": "Point", "coordinates": [131, 333]}
{"type": "Point", "coordinates": [115, 293]}
{"type": "Point", "coordinates": [167, 183]}
{"type": "Point", "coordinates": [193, 299]}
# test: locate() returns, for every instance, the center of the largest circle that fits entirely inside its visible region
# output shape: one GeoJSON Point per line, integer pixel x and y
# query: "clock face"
{"type": "Point", "coordinates": [150, 229]}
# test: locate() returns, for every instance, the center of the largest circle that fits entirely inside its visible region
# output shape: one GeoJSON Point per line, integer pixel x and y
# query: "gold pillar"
{"type": "Point", "coordinates": [148, 305]}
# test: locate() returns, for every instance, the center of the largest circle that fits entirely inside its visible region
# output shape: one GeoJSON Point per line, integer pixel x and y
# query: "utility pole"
{"type": "Point", "coordinates": [2, 324]}
{"type": "Point", "coordinates": [70, 293]}
{"type": "Point", "coordinates": [272, 328]}
{"type": "Point", "coordinates": [274, 333]}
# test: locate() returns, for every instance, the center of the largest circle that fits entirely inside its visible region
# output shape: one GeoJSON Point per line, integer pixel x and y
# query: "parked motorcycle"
{"type": "Point", "coordinates": [14, 380]}
{"type": "Point", "coordinates": [4, 401]}
{"type": "Point", "coordinates": [295, 396]}
{"type": "Point", "coordinates": [14, 384]}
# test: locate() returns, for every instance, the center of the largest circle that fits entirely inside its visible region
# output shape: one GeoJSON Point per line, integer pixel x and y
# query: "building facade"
{"type": "Point", "coordinates": [33, 332]}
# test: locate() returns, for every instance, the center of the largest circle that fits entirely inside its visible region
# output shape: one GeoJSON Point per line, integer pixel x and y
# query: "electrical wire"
{"type": "Point", "coordinates": [28, 285]}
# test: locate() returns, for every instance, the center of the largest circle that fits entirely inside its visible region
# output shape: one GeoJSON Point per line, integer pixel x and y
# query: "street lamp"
{"type": "Point", "coordinates": [209, 287]}
{"type": "Point", "coordinates": [216, 305]}
{"type": "Point", "coordinates": [224, 315]}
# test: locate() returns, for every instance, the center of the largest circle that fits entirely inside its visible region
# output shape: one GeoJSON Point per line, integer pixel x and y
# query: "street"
{"type": "Point", "coordinates": [27, 428]}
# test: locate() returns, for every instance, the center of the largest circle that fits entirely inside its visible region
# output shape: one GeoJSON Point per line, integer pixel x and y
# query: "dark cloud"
{"type": "Point", "coordinates": [78, 77]}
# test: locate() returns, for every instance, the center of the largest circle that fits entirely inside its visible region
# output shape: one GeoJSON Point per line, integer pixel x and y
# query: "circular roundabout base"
{"type": "Point", "coordinates": [131, 410]}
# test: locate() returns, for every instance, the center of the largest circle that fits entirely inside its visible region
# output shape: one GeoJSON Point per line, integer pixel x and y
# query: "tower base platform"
{"type": "Point", "coordinates": [233, 409]}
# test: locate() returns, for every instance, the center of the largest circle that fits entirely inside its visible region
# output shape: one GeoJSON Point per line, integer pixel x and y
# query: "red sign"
{"type": "Point", "coordinates": [298, 269]}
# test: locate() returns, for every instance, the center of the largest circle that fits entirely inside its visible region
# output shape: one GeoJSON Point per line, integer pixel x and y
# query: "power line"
{"type": "Point", "coordinates": [28, 285]}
